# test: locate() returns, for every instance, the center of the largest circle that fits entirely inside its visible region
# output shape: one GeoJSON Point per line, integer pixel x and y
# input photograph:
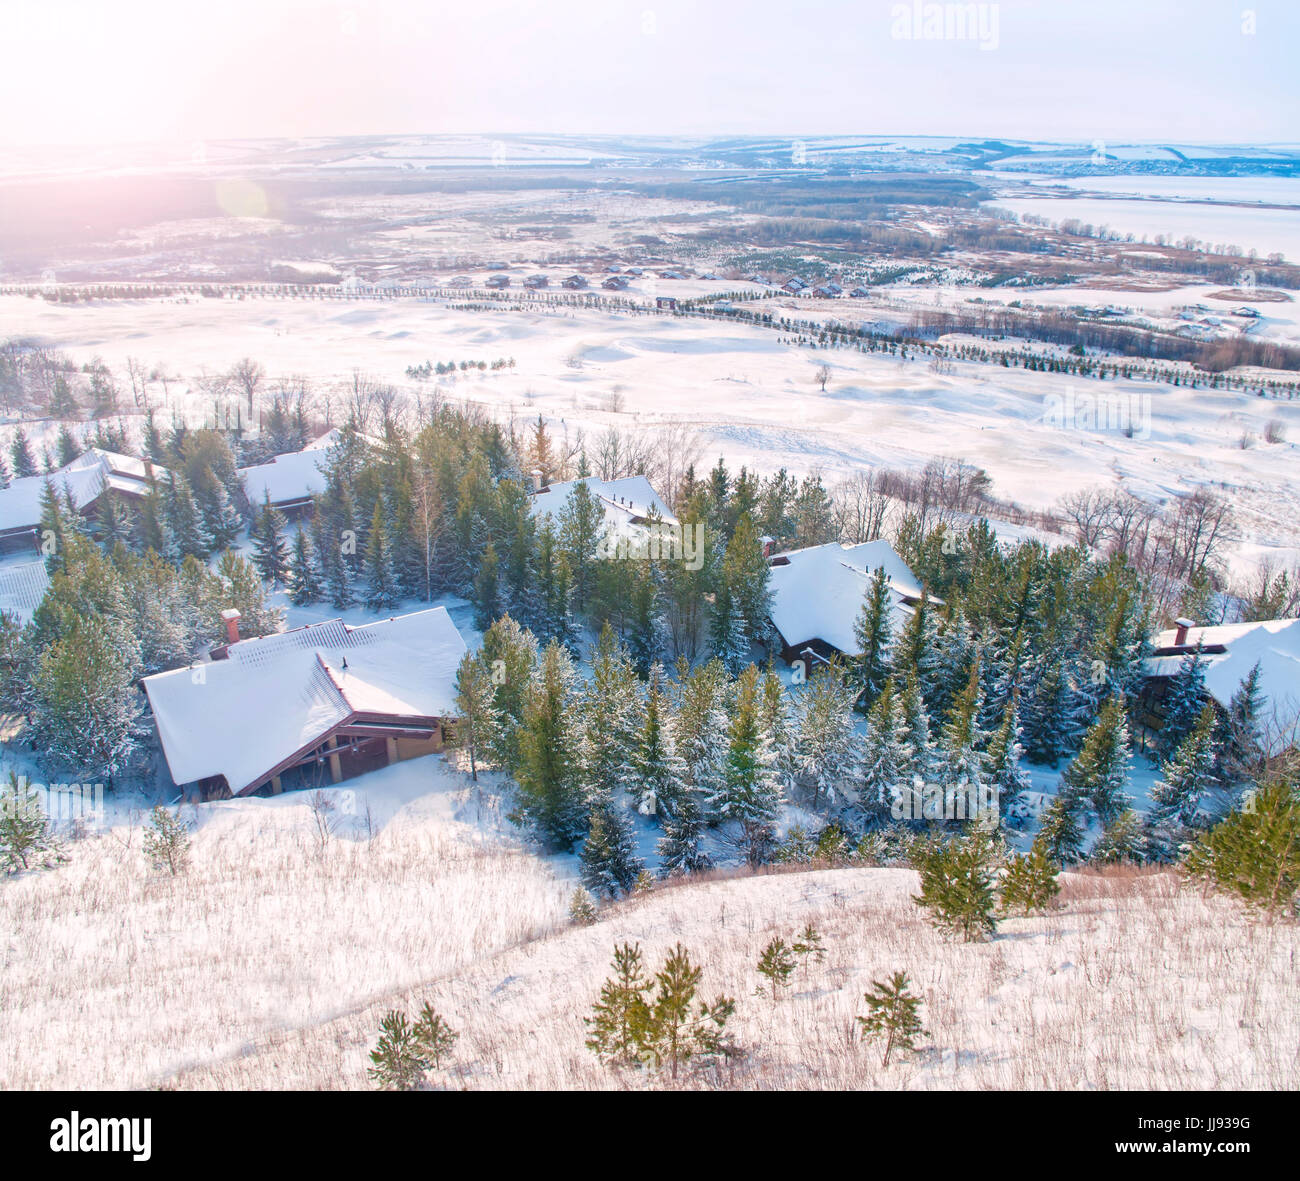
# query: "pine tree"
{"type": "Point", "coordinates": [1029, 883]}
{"type": "Point", "coordinates": [700, 728]}
{"type": "Point", "coordinates": [915, 652]}
{"type": "Point", "coordinates": [25, 833]}
{"type": "Point", "coordinates": [727, 632]}
{"type": "Point", "coordinates": [303, 577]}
{"type": "Point", "coordinates": [872, 632]}
{"type": "Point", "coordinates": [478, 722]}
{"type": "Point", "coordinates": [270, 553]}
{"type": "Point", "coordinates": [644, 642]}
{"type": "Point", "coordinates": [1254, 853]}
{"type": "Point", "coordinates": [115, 522]}
{"type": "Point", "coordinates": [1121, 840]}
{"type": "Point", "coordinates": [921, 747]}
{"type": "Point", "coordinates": [167, 841]}
{"type": "Point", "coordinates": [338, 575]}
{"type": "Point", "coordinates": [964, 765]}
{"type": "Point", "coordinates": [677, 1031]}
{"type": "Point", "coordinates": [606, 745]}
{"type": "Point", "coordinates": [221, 519]}
{"type": "Point", "coordinates": [189, 535]}
{"type": "Point", "coordinates": [582, 908]}
{"type": "Point", "coordinates": [487, 598]}
{"type": "Point", "coordinates": [957, 884]}
{"type": "Point", "coordinates": [893, 1013]}
{"type": "Point", "coordinates": [1099, 772]}
{"type": "Point", "coordinates": [397, 1063]}
{"type": "Point", "coordinates": [434, 1038]}
{"type": "Point", "coordinates": [68, 446]}
{"type": "Point", "coordinates": [620, 1019]}
{"type": "Point", "coordinates": [382, 590]}
{"type": "Point", "coordinates": [776, 965]}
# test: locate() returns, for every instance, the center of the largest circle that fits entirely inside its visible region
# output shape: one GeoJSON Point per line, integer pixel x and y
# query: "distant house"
{"type": "Point", "coordinates": [498, 281]}
{"type": "Point", "coordinates": [635, 271]}
{"type": "Point", "coordinates": [671, 275]}
{"type": "Point", "coordinates": [289, 480]}
{"type": "Point", "coordinates": [308, 707]}
{"type": "Point", "coordinates": [818, 592]}
{"type": "Point", "coordinates": [574, 283]}
{"type": "Point", "coordinates": [667, 302]}
{"type": "Point", "coordinates": [1246, 312]}
{"type": "Point", "coordinates": [1229, 652]}
{"type": "Point", "coordinates": [827, 291]}
{"type": "Point", "coordinates": [793, 286]}
{"type": "Point", "coordinates": [709, 277]}
{"type": "Point", "coordinates": [764, 280]}
{"type": "Point", "coordinates": [85, 480]}
{"type": "Point", "coordinates": [460, 281]}
{"type": "Point", "coordinates": [859, 293]}
{"type": "Point", "coordinates": [533, 282]}
{"type": "Point", "coordinates": [615, 283]}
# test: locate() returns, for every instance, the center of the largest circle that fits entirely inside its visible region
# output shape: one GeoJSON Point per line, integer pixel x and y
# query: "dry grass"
{"type": "Point", "coordinates": [114, 976]}
{"type": "Point", "coordinates": [1132, 983]}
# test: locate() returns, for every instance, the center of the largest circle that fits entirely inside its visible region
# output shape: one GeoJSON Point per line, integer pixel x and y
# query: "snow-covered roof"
{"type": "Point", "coordinates": [817, 593]}
{"type": "Point", "coordinates": [22, 588]}
{"type": "Point", "coordinates": [626, 501]}
{"type": "Point", "coordinates": [273, 697]}
{"type": "Point", "coordinates": [288, 478]}
{"type": "Point", "coordinates": [1272, 643]}
{"type": "Point", "coordinates": [85, 478]}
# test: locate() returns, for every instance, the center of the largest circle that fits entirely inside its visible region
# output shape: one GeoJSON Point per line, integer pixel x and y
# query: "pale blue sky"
{"type": "Point", "coordinates": [1117, 70]}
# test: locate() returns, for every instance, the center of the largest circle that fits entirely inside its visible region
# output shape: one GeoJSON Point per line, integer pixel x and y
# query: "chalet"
{"type": "Point", "coordinates": [818, 592]}
{"type": "Point", "coordinates": [1246, 312]}
{"type": "Point", "coordinates": [1229, 652]}
{"type": "Point", "coordinates": [764, 280]}
{"type": "Point", "coordinates": [671, 275]}
{"type": "Point", "coordinates": [667, 302]}
{"type": "Point", "coordinates": [629, 503]}
{"type": "Point", "coordinates": [574, 283]}
{"type": "Point", "coordinates": [827, 291]}
{"type": "Point", "coordinates": [460, 281]}
{"type": "Point", "coordinates": [793, 286]}
{"type": "Point", "coordinates": [84, 480]}
{"type": "Point", "coordinates": [308, 707]}
{"type": "Point", "coordinates": [615, 283]}
{"type": "Point", "coordinates": [498, 282]}
{"type": "Point", "coordinates": [290, 480]}
{"type": "Point", "coordinates": [635, 272]}
{"type": "Point", "coordinates": [22, 587]}
{"type": "Point", "coordinates": [859, 293]}
{"type": "Point", "coordinates": [534, 282]}
{"type": "Point", "coordinates": [709, 277]}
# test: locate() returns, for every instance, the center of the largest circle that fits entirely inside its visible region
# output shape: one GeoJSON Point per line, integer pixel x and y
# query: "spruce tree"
{"type": "Point", "coordinates": [1240, 740]}
{"type": "Point", "coordinates": [776, 965]}
{"type": "Point", "coordinates": [26, 837]}
{"type": "Point", "coordinates": [382, 590]}
{"type": "Point", "coordinates": [1005, 772]}
{"type": "Point", "coordinates": [750, 790]}
{"type": "Point", "coordinates": [1122, 840]}
{"type": "Point", "coordinates": [1184, 699]}
{"type": "Point", "coordinates": [397, 1063]}
{"type": "Point", "coordinates": [477, 718]}
{"type": "Point", "coordinates": [270, 553]}
{"type": "Point", "coordinates": [872, 632]}
{"type": "Point", "coordinates": [20, 452]}
{"type": "Point", "coordinates": [886, 760]}
{"type": "Point", "coordinates": [1099, 773]}
{"type": "Point", "coordinates": [658, 772]}
{"type": "Point", "coordinates": [304, 579]}
{"type": "Point", "coordinates": [190, 537]}
{"type": "Point", "coordinates": [1185, 778]}
{"type": "Point", "coordinates": [610, 866]}
{"type": "Point", "coordinates": [550, 792]}
{"type": "Point", "coordinates": [1060, 830]}
{"type": "Point", "coordinates": [824, 754]}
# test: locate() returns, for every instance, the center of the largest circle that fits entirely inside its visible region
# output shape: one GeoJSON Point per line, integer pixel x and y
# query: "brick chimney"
{"type": "Point", "coordinates": [231, 618]}
{"type": "Point", "coordinates": [1180, 633]}
{"type": "Point", "coordinates": [538, 479]}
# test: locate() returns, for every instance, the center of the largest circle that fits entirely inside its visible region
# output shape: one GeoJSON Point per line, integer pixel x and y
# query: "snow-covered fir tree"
{"type": "Point", "coordinates": [1183, 700]}
{"type": "Point", "coordinates": [886, 760]}
{"type": "Point", "coordinates": [1099, 773]}
{"type": "Point", "coordinates": [303, 577]}
{"type": "Point", "coordinates": [1184, 780]}
{"type": "Point", "coordinates": [825, 757]}
{"type": "Point", "coordinates": [270, 551]}
{"type": "Point", "coordinates": [873, 632]}
{"type": "Point", "coordinates": [750, 790]}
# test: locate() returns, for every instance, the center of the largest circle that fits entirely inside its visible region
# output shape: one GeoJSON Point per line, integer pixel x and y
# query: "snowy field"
{"type": "Point", "coordinates": [271, 962]}
{"type": "Point", "coordinates": [750, 395]}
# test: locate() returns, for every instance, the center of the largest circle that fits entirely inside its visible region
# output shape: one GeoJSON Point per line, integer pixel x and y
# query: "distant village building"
{"type": "Point", "coordinates": [818, 592]}
{"type": "Point", "coordinates": [859, 293]}
{"type": "Point", "coordinates": [536, 281]}
{"type": "Point", "coordinates": [460, 281]}
{"type": "Point", "coordinates": [85, 480]}
{"type": "Point", "coordinates": [574, 283]}
{"type": "Point", "coordinates": [290, 480]}
{"type": "Point", "coordinates": [308, 707]}
{"type": "Point", "coordinates": [1229, 652]}
{"type": "Point", "coordinates": [497, 282]}
{"type": "Point", "coordinates": [827, 291]}
{"type": "Point", "coordinates": [615, 283]}
{"type": "Point", "coordinates": [667, 302]}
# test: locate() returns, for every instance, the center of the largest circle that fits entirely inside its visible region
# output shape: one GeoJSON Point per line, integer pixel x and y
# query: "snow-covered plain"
{"type": "Point", "coordinates": [749, 393]}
